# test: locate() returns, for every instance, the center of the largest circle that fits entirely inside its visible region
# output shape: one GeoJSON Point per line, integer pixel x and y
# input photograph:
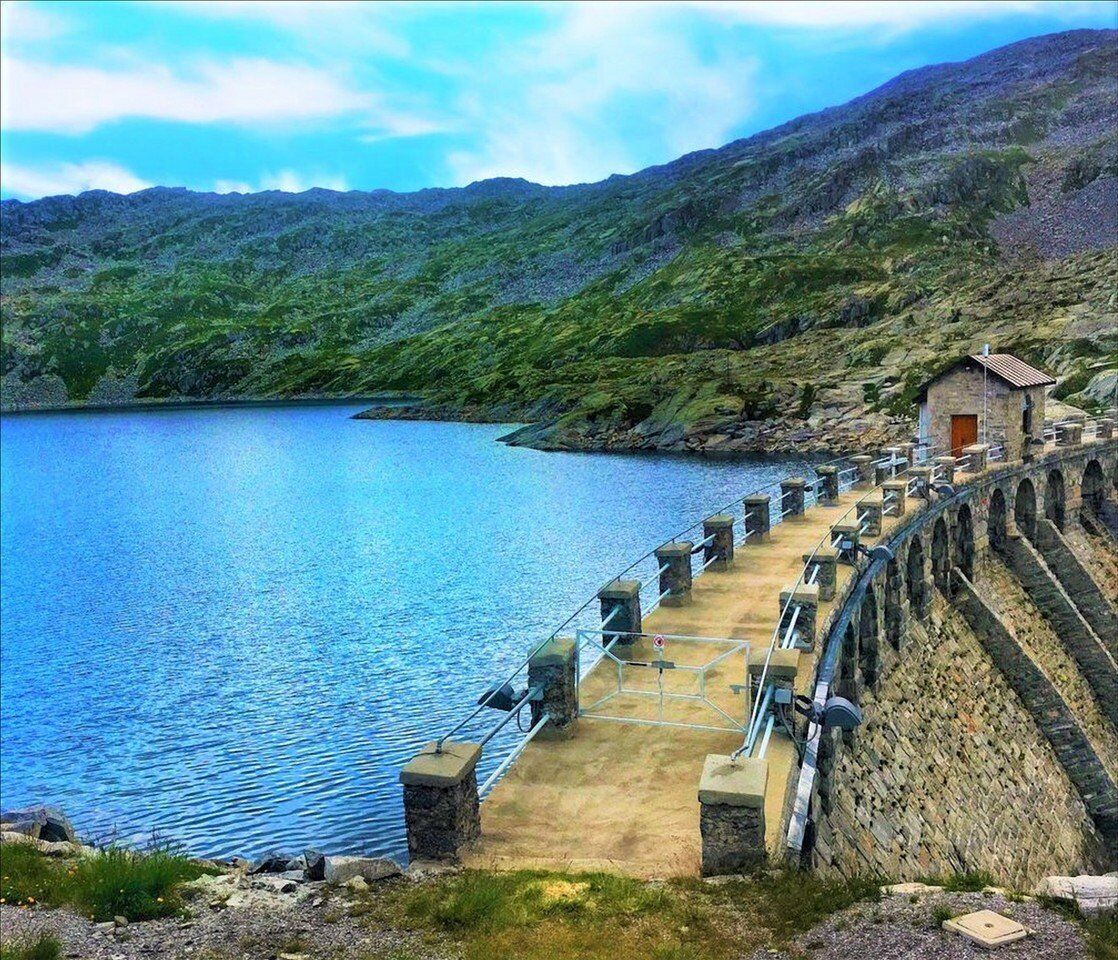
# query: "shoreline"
{"type": "Point", "coordinates": [375, 400]}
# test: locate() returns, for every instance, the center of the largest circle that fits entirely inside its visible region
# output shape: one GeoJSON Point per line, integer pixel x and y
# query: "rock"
{"type": "Point", "coordinates": [1092, 894]}
{"type": "Point", "coordinates": [60, 848]}
{"type": "Point", "coordinates": [909, 889]}
{"type": "Point", "coordinates": [296, 875]}
{"type": "Point", "coordinates": [316, 865]}
{"type": "Point", "coordinates": [120, 921]}
{"type": "Point", "coordinates": [42, 823]}
{"type": "Point", "coordinates": [356, 884]}
{"type": "Point", "coordinates": [297, 863]}
{"type": "Point", "coordinates": [14, 836]}
{"type": "Point", "coordinates": [270, 863]}
{"type": "Point", "coordinates": [341, 869]}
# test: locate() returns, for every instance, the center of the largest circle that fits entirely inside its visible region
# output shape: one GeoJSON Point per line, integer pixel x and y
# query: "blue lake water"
{"type": "Point", "coordinates": [229, 627]}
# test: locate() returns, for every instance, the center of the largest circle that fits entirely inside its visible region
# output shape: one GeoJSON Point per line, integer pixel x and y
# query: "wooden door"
{"type": "Point", "coordinates": [964, 432]}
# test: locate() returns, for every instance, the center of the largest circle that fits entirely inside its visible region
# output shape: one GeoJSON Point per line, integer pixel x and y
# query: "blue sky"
{"type": "Point", "coordinates": [289, 95]}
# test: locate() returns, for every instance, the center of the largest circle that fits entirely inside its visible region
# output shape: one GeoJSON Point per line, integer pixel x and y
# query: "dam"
{"type": "Point", "coordinates": [903, 665]}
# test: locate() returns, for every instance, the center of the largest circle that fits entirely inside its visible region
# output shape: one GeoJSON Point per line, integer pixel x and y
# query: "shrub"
{"type": "Point", "coordinates": [44, 947]}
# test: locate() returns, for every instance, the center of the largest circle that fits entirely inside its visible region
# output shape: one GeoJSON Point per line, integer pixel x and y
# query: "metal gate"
{"type": "Point", "coordinates": [699, 683]}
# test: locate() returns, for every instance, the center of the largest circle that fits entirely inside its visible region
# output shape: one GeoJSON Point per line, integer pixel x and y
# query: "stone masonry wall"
{"type": "Point", "coordinates": [960, 392]}
{"type": "Point", "coordinates": [950, 773]}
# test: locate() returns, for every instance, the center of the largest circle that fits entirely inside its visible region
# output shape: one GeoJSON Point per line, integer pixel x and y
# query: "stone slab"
{"type": "Point", "coordinates": [735, 783]}
{"type": "Point", "coordinates": [620, 590]}
{"type": "Point", "coordinates": [783, 665]}
{"type": "Point", "coordinates": [986, 928]}
{"type": "Point", "coordinates": [444, 769]}
{"type": "Point", "coordinates": [557, 651]}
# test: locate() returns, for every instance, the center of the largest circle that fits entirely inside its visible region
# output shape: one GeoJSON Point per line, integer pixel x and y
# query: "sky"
{"type": "Point", "coordinates": [286, 95]}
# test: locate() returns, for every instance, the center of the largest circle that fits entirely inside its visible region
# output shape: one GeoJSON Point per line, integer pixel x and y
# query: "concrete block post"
{"type": "Point", "coordinates": [825, 558]}
{"type": "Point", "coordinates": [676, 579]}
{"type": "Point", "coordinates": [908, 452]}
{"type": "Point", "coordinates": [732, 814]}
{"type": "Point", "coordinates": [828, 485]}
{"type": "Point", "coordinates": [555, 668]}
{"type": "Point", "coordinates": [922, 487]}
{"type": "Point", "coordinates": [719, 552]}
{"type": "Point", "coordinates": [1104, 429]}
{"type": "Point", "coordinates": [1070, 435]}
{"type": "Point", "coordinates": [864, 478]}
{"type": "Point", "coordinates": [976, 457]}
{"type": "Point", "coordinates": [441, 811]}
{"type": "Point", "coordinates": [806, 598]}
{"type": "Point", "coordinates": [792, 496]}
{"type": "Point", "coordinates": [946, 472]}
{"type": "Point", "coordinates": [624, 597]}
{"type": "Point", "coordinates": [848, 536]}
{"type": "Point", "coordinates": [756, 518]}
{"type": "Point", "coordinates": [893, 495]}
{"type": "Point", "coordinates": [869, 514]}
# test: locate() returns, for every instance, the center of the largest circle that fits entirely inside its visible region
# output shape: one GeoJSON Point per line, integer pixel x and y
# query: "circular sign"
{"type": "Point", "coordinates": [658, 642]}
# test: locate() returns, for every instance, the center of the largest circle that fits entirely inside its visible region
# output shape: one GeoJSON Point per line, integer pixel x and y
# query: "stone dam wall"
{"type": "Point", "coordinates": [982, 656]}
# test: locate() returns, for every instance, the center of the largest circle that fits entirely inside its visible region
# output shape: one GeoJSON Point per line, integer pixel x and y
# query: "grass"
{"type": "Point", "coordinates": [1102, 937]}
{"type": "Point", "coordinates": [43, 947]}
{"type": "Point", "coordinates": [111, 883]}
{"type": "Point", "coordinates": [538, 915]}
{"type": "Point", "coordinates": [973, 881]}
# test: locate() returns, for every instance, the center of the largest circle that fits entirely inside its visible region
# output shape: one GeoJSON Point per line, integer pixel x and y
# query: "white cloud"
{"type": "Point", "coordinates": [550, 112]}
{"type": "Point", "coordinates": [75, 99]}
{"type": "Point", "coordinates": [23, 23]}
{"type": "Point", "coordinates": [52, 179]}
{"type": "Point", "coordinates": [289, 181]}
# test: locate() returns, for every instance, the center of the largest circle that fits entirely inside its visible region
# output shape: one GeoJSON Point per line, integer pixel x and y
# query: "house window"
{"type": "Point", "coordinates": [1027, 416]}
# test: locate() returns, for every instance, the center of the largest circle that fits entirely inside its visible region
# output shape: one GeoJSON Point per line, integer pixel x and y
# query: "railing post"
{"type": "Point", "coordinates": [1104, 428]}
{"type": "Point", "coordinates": [792, 496]}
{"type": "Point", "coordinates": [869, 514]}
{"type": "Point", "coordinates": [1070, 435]}
{"type": "Point", "coordinates": [757, 518]}
{"type": "Point", "coordinates": [864, 478]}
{"type": "Point", "coordinates": [826, 579]}
{"type": "Point", "coordinates": [848, 535]}
{"type": "Point", "coordinates": [720, 550]}
{"type": "Point", "coordinates": [676, 579]}
{"type": "Point", "coordinates": [946, 469]}
{"type": "Point", "coordinates": [806, 598]}
{"type": "Point", "coordinates": [908, 451]}
{"type": "Point", "coordinates": [554, 667]}
{"type": "Point", "coordinates": [441, 810]}
{"type": "Point", "coordinates": [732, 814]}
{"type": "Point", "coordinates": [922, 487]}
{"type": "Point", "coordinates": [894, 494]}
{"type": "Point", "coordinates": [829, 485]}
{"type": "Point", "coordinates": [977, 457]}
{"type": "Point", "coordinates": [621, 611]}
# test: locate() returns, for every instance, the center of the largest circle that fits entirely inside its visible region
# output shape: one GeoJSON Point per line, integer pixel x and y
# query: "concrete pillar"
{"type": "Point", "coordinates": [732, 814]}
{"type": "Point", "coordinates": [848, 536]}
{"type": "Point", "coordinates": [825, 558]}
{"type": "Point", "coordinates": [828, 485]}
{"type": "Point", "coordinates": [1070, 435]}
{"type": "Point", "coordinates": [756, 518]}
{"type": "Point", "coordinates": [624, 596]}
{"type": "Point", "coordinates": [676, 579]}
{"type": "Point", "coordinates": [946, 472]}
{"type": "Point", "coordinates": [555, 668]}
{"type": "Point", "coordinates": [863, 479]}
{"type": "Point", "coordinates": [806, 597]}
{"type": "Point", "coordinates": [922, 487]}
{"type": "Point", "coordinates": [720, 550]}
{"type": "Point", "coordinates": [908, 451]}
{"type": "Point", "coordinates": [792, 496]}
{"type": "Point", "coordinates": [440, 800]}
{"type": "Point", "coordinates": [976, 457]}
{"type": "Point", "coordinates": [870, 513]}
{"type": "Point", "coordinates": [893, 495]}
{"type": "Point", "coordinates": [1104, 428]}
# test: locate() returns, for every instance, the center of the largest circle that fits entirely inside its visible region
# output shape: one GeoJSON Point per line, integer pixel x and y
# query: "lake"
{"type": "Point", "coordinates": [229, 627]}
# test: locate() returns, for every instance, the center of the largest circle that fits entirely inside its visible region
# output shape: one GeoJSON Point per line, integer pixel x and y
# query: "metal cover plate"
{"type": "Point", "coordinates": [986, 928]}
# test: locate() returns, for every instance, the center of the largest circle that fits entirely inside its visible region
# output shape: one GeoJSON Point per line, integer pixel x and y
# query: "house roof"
{"type": "Point", "coordinates": [1004, 366]}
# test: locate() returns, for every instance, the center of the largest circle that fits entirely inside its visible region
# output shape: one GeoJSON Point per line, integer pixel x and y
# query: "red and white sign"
{"type": "Point", "coordinates": [658, 643]}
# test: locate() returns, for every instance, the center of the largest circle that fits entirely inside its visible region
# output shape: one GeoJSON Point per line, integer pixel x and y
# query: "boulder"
{"type": "Point", "coordinates": [316, 865]}
{"type": "Point", "coordinates": [341, 869]}
{"type": "Point", "coordinates": [271, 863]}
{"type": "Point", "coordinates": [1092, 894]}
{"type": "Point", "coordinates": [42, 823]}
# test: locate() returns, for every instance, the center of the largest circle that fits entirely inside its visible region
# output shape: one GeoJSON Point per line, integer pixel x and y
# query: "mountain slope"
{"type": "Point", "coordinates": [775, 290]}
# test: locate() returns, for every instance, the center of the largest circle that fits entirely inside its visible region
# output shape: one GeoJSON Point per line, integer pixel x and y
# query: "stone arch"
{"type": "Point", "coordinates": [996, 522]}
{"type": "Point", "coordinates": [848, 667]}
{"type": "Point", "coordinates": [868, 656]}
{"type": "Point", "coordinates": [941, 557]}
{"type": "Point", "coordinates": [894, 611]}
{"type": "Point", "coordinates": [1055, 498]}
{"type": "Point", "coordinates": [825, 768]}
{"type": "Point", "coordinates": [917, 585]}
{"type": "Point", "coordinates": [963, 541]}
{"type": "Point", "coordinates": [1024, 508]}
{"type": "Point", "coordinates": [1094, 486]}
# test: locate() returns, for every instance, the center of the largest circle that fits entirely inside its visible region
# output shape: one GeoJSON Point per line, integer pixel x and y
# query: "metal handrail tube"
{"type": "Point", "coordinates": [511, 758]}
{"type": "Point", "coordinates": [531, 692]}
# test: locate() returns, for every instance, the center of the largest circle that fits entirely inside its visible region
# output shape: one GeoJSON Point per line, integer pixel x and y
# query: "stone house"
{"type": "Point", "coordinates": [991, 399]}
